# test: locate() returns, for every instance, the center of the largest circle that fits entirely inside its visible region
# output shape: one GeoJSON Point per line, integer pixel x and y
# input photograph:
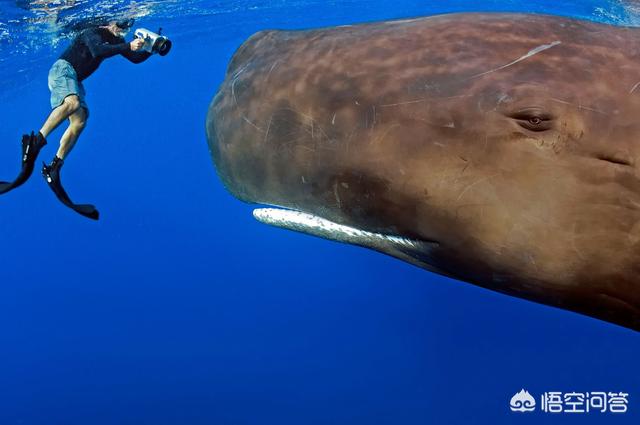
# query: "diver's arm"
{"type": "Point", "coordinates": [136, 57]}
{"type": "Point", "coordinates": [100, 49]}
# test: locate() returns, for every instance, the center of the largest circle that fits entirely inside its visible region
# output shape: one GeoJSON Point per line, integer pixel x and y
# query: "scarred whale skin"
{"type": "Point", "coordinates": [509, 141]}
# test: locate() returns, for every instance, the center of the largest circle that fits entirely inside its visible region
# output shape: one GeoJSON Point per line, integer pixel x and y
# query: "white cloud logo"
{"type": "Point", "coordinates": [522, 402]}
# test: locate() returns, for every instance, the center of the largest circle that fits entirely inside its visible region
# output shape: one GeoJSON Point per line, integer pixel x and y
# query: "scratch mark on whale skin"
{"type": "Point", "coordinates": [635, 86]}
{"type": "Point", "coordinates": [235, 99]}
{"type": "Point", "coordinates": [384, 133]}
{"type": "Point", "coordinates": [530, 53]}
{"type": "Point", "coordinates": [335, 192]}
{"type": "Point", "coordinates": [272, 68]}
{"type": "Point", "coordinates": [473, 184]}
{"type": "Point", "coordinates": [586, 108]}
{"type": "Point", "coordinates": [425, 99]}
{"type": "Point", "coordinates": [409, 102]}
{"type": "Point", "coordinates": [266, 134]}
{"type": "Point", "coordinates": [573, 242]}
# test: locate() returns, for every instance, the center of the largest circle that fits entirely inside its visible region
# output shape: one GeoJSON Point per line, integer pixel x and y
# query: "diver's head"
{"type": "Point", "coordinates": [119, 28]}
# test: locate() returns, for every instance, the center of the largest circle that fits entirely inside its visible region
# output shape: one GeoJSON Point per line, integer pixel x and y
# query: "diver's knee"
{"type": "Point", "coordinates": [71, 103]}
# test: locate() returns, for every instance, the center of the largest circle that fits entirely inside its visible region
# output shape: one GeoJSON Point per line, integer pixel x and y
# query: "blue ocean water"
{"type": "Point", "coordinates": [178, 308]}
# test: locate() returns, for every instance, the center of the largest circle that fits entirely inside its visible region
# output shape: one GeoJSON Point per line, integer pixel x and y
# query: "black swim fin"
{"type": "Point", "coordinates": [51, 174]}
{"type": "Point", "coordinates": [31, 146]}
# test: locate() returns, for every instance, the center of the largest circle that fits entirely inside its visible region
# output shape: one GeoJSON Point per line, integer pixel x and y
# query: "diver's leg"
{"type": "Point", "coordinates": [78, 120]}
{"type": "Point", "coordinates": [68, 107]}
{"type": "Point", "coordinates": [67, 96]}
{"type": "Point", "coordinates": [51, 172]}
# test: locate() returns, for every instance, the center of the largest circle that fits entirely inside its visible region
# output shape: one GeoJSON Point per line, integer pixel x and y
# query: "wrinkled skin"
{"type": "Point", "coordinates": [513, 140]}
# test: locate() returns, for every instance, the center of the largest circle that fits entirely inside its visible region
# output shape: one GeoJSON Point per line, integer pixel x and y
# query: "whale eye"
{"type": "Point", "coordinates": [533, 119]}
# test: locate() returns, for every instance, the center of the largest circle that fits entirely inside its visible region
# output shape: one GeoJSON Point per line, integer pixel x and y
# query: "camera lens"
{"type": "Point", "coordinates": [164, 46]}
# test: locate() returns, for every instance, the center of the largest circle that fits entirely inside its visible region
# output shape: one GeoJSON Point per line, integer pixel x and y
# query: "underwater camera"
{"type": "Point", "coordinates": [154, 43]}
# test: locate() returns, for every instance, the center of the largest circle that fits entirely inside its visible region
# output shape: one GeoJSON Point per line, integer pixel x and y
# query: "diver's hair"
{"type": "Point", "coordinates": [125, 23]}
{"type": "Point", "coordinates": [96, 21]}
{"type": "Point", "coordinates": [99, 21]}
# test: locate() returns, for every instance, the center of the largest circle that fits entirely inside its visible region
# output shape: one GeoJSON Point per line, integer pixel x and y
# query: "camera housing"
{"type": "Point", "coordinates": [154, 43]}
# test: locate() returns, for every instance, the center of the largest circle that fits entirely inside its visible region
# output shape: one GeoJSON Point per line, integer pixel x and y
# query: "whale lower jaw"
{"type": "Point", "coordinates": [414, 251]}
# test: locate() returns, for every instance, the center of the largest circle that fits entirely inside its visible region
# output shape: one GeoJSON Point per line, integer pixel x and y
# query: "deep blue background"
{"type": "Point", "coordinates": [178, 308]}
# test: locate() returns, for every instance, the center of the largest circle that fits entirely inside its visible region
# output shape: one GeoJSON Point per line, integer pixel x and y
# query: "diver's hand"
{"type": "Point", "coordinates": [136, 44]}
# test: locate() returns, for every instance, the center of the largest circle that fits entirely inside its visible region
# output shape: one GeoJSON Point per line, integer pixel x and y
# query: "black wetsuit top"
{"type": "Point", "coordinates": [92, 46]}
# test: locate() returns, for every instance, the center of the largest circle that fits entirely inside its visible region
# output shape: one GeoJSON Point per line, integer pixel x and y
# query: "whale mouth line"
{"type": "Point", "coordinates": [415, 251]}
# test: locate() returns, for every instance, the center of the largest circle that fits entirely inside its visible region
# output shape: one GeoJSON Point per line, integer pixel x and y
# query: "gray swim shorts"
{"type": "Point", "coordinates": [63, 82]}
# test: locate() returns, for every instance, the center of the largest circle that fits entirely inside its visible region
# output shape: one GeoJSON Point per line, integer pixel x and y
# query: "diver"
{"type": "Point", "coordinates": [85, 54]}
